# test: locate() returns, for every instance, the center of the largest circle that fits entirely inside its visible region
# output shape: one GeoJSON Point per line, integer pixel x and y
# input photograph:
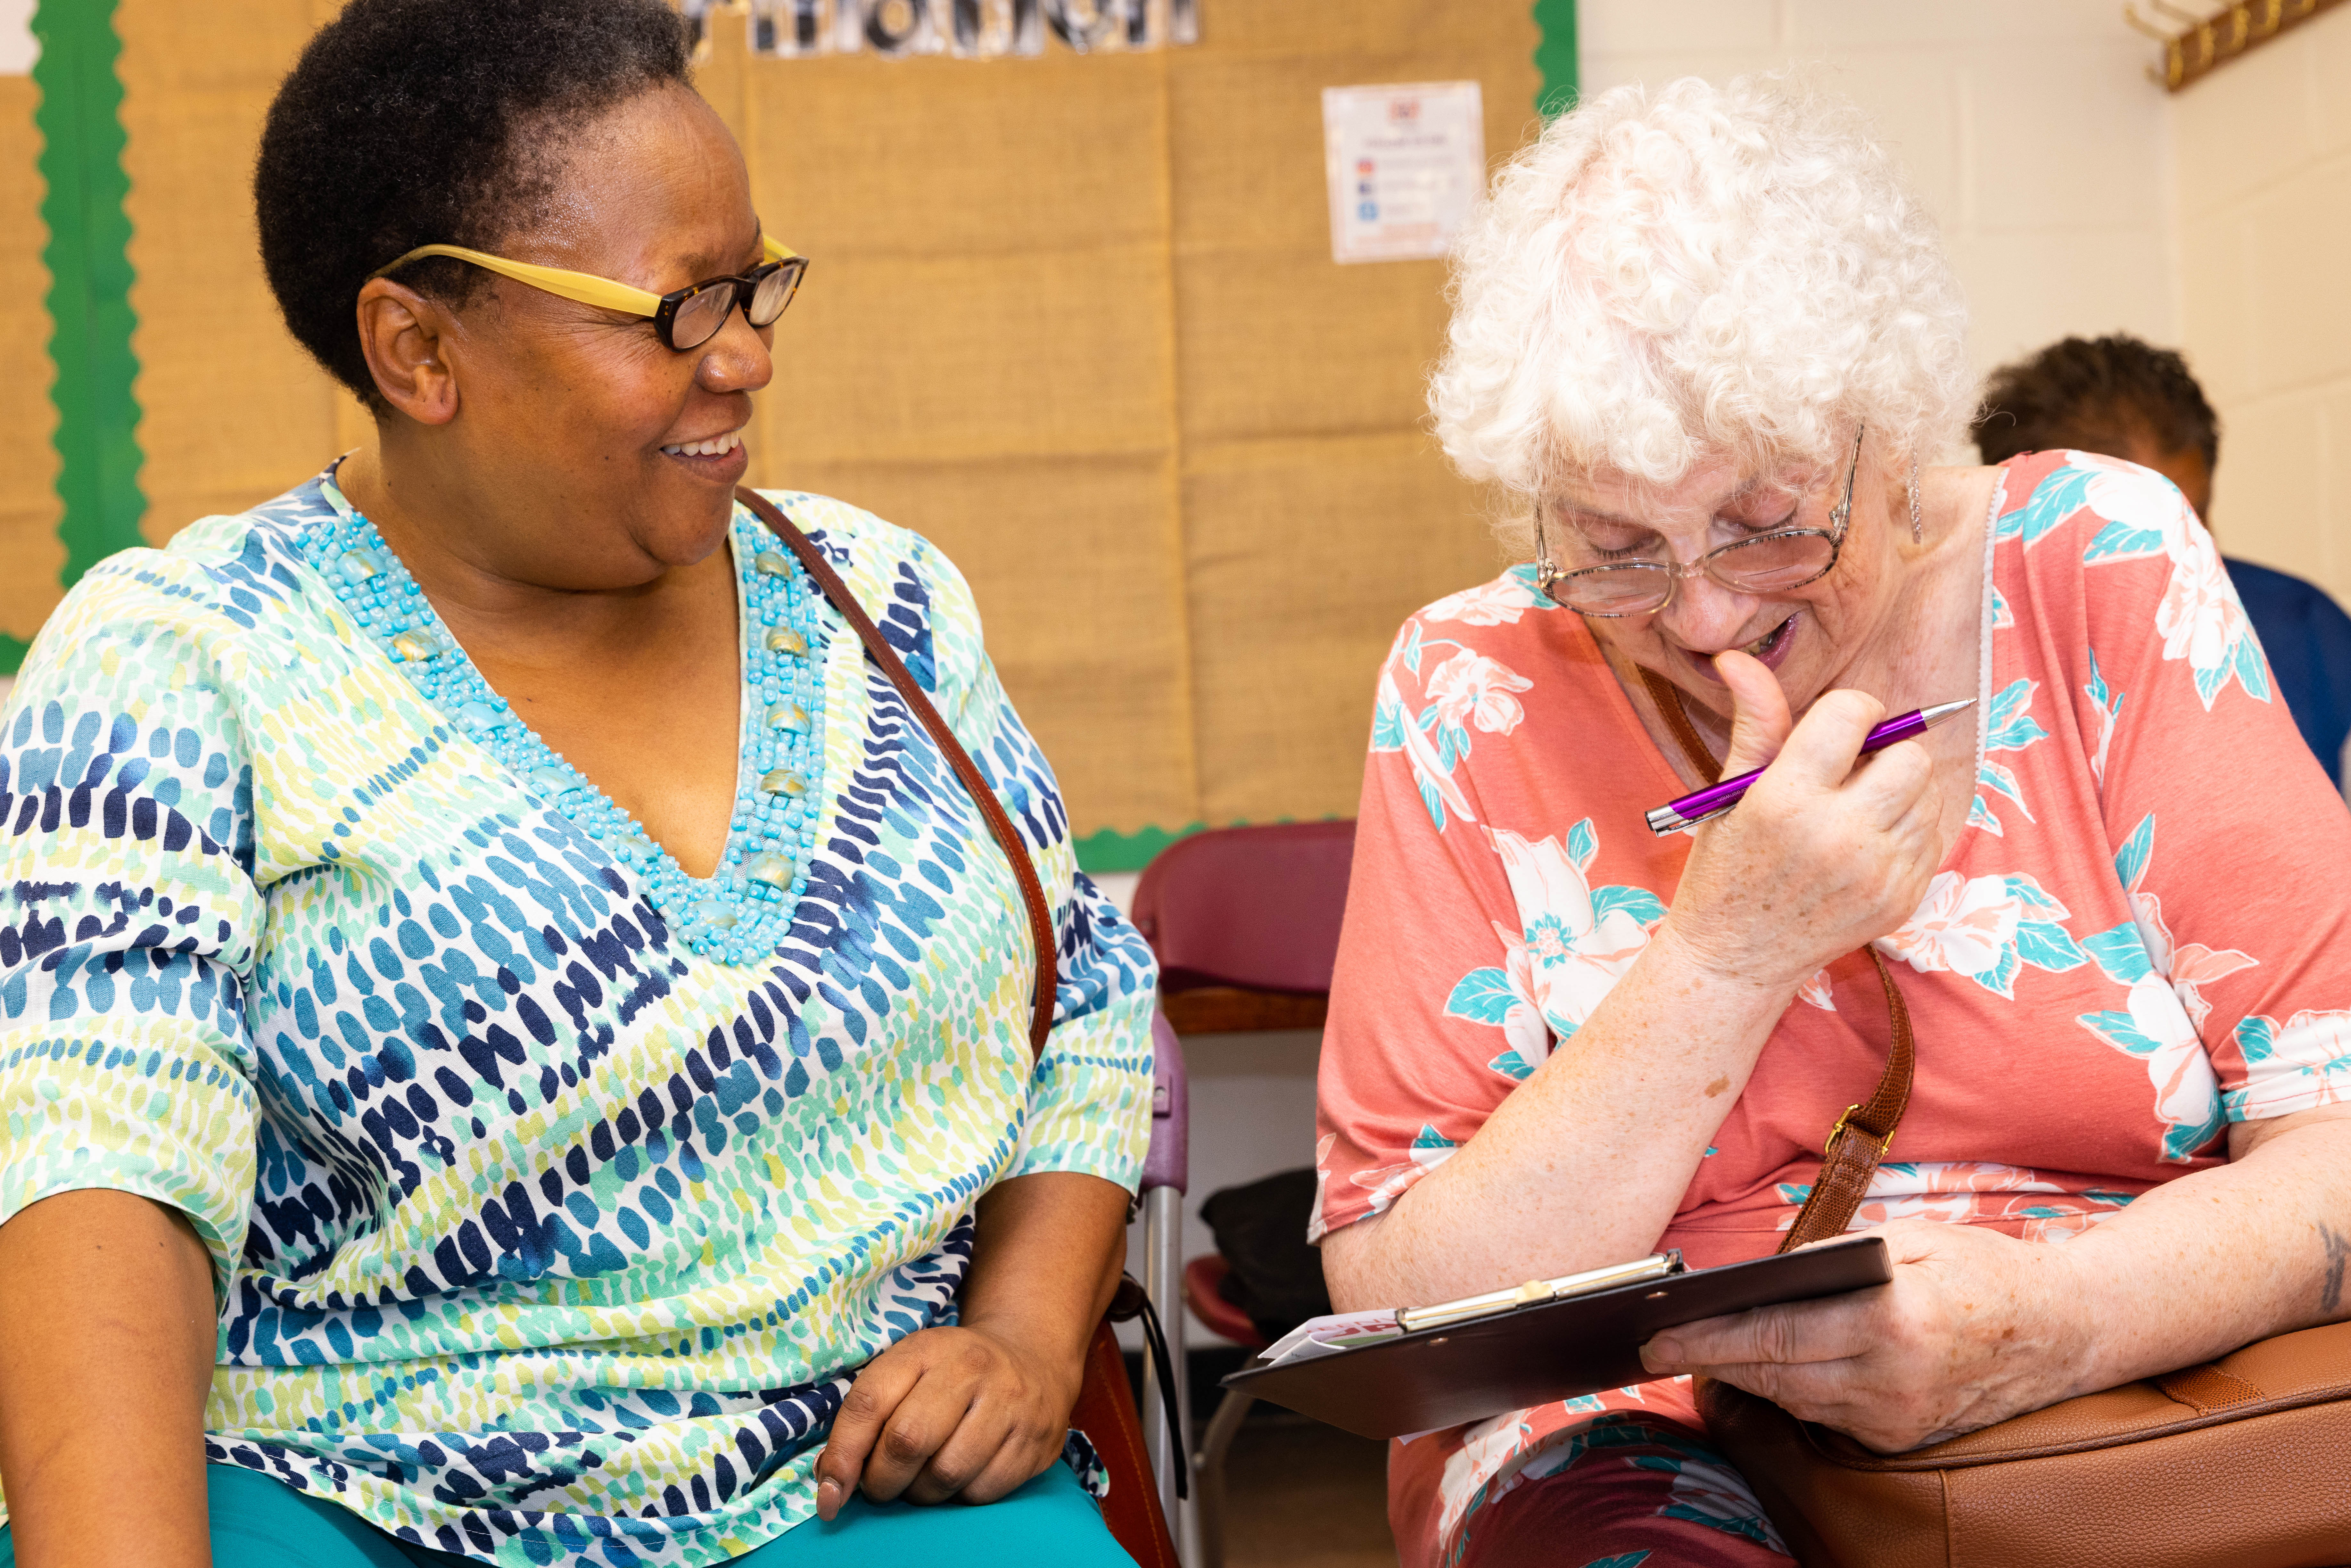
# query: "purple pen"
{"type": "Point", "coordinates": [1715, 799]}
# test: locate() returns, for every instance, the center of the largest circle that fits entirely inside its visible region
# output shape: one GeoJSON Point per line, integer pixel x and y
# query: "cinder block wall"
{"type": "Point", "coordinates": [2029, 126]}
{"type": "Point", "coordinates": [2265, 200]}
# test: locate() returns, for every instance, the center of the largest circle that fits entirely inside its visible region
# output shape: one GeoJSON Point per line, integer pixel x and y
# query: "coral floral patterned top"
{"type": "Point", "coordinates": [2112, 964]}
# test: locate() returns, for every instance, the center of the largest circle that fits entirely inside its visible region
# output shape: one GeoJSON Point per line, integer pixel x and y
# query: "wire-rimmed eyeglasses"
{"type": "Point", "coordinates": [1770, 563]}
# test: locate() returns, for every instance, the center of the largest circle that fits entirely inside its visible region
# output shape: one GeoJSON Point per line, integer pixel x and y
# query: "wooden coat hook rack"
{"type": "Point", "coordinates": [2195, 45]}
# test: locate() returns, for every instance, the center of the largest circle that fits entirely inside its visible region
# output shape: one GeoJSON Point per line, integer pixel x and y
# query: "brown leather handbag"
{"type": "Point", "coordinates": [2244, 1462]}
{"type": "Point", "coordinates": [2241, 1463]}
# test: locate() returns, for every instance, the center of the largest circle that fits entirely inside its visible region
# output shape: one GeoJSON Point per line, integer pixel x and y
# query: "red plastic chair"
{"type": "Point", "coordinates": [1246, 925]}
{"type": "Point", "coordinates": [1105, 1413]}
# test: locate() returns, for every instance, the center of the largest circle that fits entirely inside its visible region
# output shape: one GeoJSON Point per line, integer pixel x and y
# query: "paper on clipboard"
{"type": "Point", "coordinates": [1405, 163]}
{"type": "Point", "coordinates": [1329, 1336]}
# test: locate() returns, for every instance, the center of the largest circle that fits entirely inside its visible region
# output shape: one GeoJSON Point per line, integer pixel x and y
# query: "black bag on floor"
{"type": "Point", "coordinates": [1260, 1228]}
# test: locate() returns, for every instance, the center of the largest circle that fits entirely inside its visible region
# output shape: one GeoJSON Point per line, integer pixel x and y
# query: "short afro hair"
{"type": "Point", "coordinates": [1667, 273]}
{"type": "Point", "coordinates": [410, 123]}
{"type": "Point", "coordinates": [2097, 394]}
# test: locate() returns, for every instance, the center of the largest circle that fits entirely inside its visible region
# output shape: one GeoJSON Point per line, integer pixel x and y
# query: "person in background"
{"type": "Point", "coordinates": [2127, 399]}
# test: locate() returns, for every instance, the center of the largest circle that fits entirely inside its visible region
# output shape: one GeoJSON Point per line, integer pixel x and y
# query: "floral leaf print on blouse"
{"type": "Point", "coordinates": [2165, 1011]}
{"type": "Point", "coordinates": [1573, 943]}
{"type": "Point", "coordinates": [2109, 704]}
{"type": "Point", "coordinates": [2198, 616]}
{"type": "Point", "coordinates": [1392, 729]}
{"type": "Point", "coordinates": [1987, 928]}
{"type": "Point", "coordinates": [1971, 1191]}
{"type": "Point", "coordinates": [2010, 726]}
{"type": "Point", "coordinates": [1467, 690]}
{"type": "Point", "coordinates": [1470, 688]}
{"type": "Point", "coordinates": [2293, 1067]}
{"type": "Point", "coordinates": [1496, 604]}
{"type": "Point", "coordinates": [1430, 1150]}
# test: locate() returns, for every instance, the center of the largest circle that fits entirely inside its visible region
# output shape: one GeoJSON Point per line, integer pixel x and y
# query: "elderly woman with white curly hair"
{"type": "Point", "coordinates": [1710, 341]}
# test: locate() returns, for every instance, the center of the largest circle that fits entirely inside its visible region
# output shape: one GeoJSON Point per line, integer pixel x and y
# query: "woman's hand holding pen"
{"type": "Point", "coordinates": [1823, 856]}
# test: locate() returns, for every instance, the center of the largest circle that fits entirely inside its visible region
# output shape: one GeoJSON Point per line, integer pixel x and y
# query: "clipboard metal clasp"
{"type": "Point", "coordinates": [1443, 1314]}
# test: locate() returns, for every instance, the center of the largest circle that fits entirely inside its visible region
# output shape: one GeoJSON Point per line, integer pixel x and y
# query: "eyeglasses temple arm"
{"type": "Point", "coordinates": [1844, 508]}
{"type": "Point", "coordinates": [585, 287]}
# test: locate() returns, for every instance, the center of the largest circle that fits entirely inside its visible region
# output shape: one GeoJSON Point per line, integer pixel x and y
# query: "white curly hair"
{"type": "Point", "coordinates": [1662, 276]}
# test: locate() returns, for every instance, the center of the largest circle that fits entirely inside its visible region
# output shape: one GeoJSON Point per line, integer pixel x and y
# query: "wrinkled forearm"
{"type": "Point", "coordinates": [1587, 1161]}
{"type": "Point", "coordinates": [107, 1335]}
{"type": "Point", "coordinates": [2203, 1265]}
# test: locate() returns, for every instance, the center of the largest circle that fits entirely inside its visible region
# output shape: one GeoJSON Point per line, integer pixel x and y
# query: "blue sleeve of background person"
{"type": "Point", "coordinates": [2307, 638]}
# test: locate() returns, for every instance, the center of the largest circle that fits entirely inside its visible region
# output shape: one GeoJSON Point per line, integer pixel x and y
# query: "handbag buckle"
{"type": "Point", "coordinates": [1828, 1148]}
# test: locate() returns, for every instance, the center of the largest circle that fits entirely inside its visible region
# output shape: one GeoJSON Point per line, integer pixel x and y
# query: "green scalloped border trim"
{"type": "Point", "coordinates": [88, 256]}
{"type": "Point", "coordinates": [1555, 57]}
{"type": "Point", "coordinates": [1109, 850]}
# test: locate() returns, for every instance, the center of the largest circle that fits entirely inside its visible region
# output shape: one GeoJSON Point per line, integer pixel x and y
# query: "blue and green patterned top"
{"type": "Point", "coordinates": [540, 1236]}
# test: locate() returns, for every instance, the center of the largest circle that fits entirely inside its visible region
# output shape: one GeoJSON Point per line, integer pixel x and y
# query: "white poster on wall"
{"type": "Point", "coordinates": [1406, 160]}
{"type": "Point", "coordinates": [18, 48]}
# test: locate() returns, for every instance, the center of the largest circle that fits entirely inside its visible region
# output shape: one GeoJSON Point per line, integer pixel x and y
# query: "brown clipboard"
{"type": "Point", "coordinates": [1550, 1350]}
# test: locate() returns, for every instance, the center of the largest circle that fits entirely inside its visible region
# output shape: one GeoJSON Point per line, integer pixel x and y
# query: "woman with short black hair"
{"type": "Point", "coordinates": [515, 1041]}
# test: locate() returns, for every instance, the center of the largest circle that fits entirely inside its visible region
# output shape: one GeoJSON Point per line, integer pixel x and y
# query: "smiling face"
{"type": "Point", "coordinates": [1810, 636]}
{"type": "Point", "coordinates": [587, 455]}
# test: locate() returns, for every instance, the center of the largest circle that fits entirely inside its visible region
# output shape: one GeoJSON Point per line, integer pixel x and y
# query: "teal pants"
{"type": "Point", "coordinates": [261, 1522]}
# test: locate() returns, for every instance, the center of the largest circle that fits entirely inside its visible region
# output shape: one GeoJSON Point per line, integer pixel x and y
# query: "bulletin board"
{"type": "Point", "coordinates": [1072, 317]}
{"type": "Point", "coordinates": [31, 555]}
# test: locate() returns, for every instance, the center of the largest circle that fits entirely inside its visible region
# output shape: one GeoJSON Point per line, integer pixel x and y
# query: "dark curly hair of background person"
{"type": "Point", "coordinates": [2096, 393]}
{"type": "Point", "coordinates": [410, 123]}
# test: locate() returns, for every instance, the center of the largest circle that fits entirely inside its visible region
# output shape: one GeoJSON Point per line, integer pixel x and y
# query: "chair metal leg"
{"type": "Point", "coordinates": [1163, 1280]}
{"type": "Point", "coordinates": [1209, 1475]}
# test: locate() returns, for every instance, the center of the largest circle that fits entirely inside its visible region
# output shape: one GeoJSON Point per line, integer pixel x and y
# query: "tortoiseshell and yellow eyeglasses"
{"type": "Point", "coordinates": [685, 318]}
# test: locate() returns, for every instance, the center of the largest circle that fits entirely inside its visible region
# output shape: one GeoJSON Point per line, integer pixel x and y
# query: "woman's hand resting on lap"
{"type": "Point", "coordinates": [974, 1412]}
{"type": "Point", "coordinates": [949, 1413]}
{"type": "Point", "coordinates": [1975, 1327]}
{"type": "Point", "coordinates": [1822, 855]}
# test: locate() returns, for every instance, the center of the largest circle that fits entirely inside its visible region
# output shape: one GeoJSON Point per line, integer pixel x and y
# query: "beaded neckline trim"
{"type": "Point", "coordinates": [742, 912]}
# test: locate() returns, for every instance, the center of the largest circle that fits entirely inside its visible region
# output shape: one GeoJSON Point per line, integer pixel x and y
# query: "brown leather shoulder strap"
{"type": "Point", "coordinates": [1862, 1135]}
{"type": "Point", "coordinates": [1024, 868]}
{"type": "Point", "coordinates": [1668, 698]}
